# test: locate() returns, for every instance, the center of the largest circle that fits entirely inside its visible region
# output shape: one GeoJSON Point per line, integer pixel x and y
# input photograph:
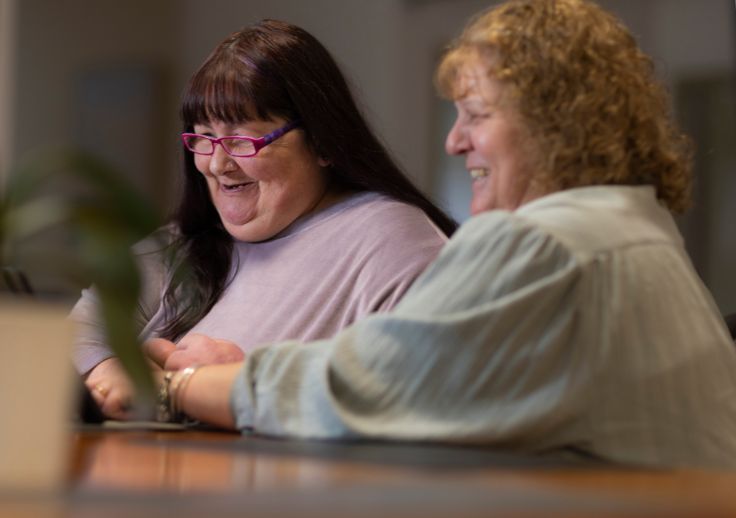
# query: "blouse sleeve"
{"type": "Point", "coordinates": [478, 349]}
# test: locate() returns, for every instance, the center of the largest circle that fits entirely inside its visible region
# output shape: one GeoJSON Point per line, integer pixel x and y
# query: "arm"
{"type": "Point", "coordinates": [206, 396]}
{"type": "Point", "coordinates": [103, 374]}
{"type": "Point", "coordinates": [478, 349]}
{"type": "Point", "coordinates": [92, 357]}
{"type": "Point", "coordinates": [90, 347]}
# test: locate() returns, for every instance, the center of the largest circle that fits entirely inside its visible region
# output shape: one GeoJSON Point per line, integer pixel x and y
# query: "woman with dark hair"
{"type": "Point", "coordinates": [294, 220]}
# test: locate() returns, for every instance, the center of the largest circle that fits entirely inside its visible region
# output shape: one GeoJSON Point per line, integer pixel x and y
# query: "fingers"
{"type": "Point", "coordinates": [101, 389]}
{"type": "Point", "coordinates": [178, 360]}
{"type": "Point", "coordinates": [114, 402]}
{"type": "Point", "coordinates": [99, 393]}
{"type": "Point", "coordinates": [158, 350]}
{"type": "Point", "coordinates": [111, 389]}
{"type": "Point", "coordinates": [196, 349]}
{"type": "Point", "coordinates": [117, 406]}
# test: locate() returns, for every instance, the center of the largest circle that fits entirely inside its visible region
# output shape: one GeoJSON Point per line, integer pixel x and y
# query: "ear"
{"type": "Point", "coordinates": [323, 162]}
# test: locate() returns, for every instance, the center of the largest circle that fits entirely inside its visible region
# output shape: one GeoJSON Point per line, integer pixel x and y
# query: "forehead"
{"type": "Point", "coordinates": [259, 124]}
{"type": "Point", "coordinates": [475, 82]}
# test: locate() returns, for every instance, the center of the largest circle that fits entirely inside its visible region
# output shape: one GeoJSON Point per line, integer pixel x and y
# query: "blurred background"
{"type": "Point", "coordinates": [106, 76]}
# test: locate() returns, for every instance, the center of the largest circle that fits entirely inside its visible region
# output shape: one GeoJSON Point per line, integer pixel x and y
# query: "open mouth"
{"type": "Point", "coordinates": [478, 173]}
{"type": "Point", "coordinates": [236, 187]}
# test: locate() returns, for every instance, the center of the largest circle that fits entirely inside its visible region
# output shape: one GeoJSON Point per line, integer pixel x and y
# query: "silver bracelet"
{"type": "Point", "coordinates": [177, 388]}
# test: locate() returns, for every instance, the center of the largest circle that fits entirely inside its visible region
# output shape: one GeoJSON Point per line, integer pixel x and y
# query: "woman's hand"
{"type": "Point", "coordinates": [158, 350]}
{"type": "Point", "coordinates": [193, 349]}
{"type": "Point", "coordinates": [111, 389]}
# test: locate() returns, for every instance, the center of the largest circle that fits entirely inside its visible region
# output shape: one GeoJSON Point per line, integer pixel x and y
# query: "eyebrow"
{"type": "Point", "coordinates": [230, 129]}
{"type": "Point", "coordinates": [473, 102]}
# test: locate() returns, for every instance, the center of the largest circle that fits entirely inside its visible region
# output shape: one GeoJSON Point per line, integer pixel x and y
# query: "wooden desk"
{"type": "Point", "coordinates": [210, 474]}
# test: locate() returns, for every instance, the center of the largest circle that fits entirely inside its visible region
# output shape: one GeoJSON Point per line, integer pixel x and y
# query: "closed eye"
{"type": "Point", "coordinates": [472, 117]}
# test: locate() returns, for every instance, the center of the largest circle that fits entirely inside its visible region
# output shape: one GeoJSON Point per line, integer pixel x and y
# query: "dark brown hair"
{"type": "Point", "coordinates": [271, 69]}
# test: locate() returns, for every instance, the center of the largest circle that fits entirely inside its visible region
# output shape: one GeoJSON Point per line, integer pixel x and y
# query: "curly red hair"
{"type": "Point", "coordinates": [586, 94]}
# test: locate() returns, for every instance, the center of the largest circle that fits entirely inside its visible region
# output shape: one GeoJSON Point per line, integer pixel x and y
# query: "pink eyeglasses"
{"type": "Point", "coordinates": [236, 146]}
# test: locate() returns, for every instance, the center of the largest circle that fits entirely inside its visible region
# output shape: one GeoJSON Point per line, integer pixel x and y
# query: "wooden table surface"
{"type": "Point", "coordinates": [209, 474]}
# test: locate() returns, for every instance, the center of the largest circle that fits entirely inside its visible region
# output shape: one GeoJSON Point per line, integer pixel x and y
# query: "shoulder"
{"type": "Point", "coordinates": [495, 255]}
{"type": "Point", "coordinates": [387, 241]}
{"type": "Point", "coordinates": [156, 243]}
{"type": "Point", "coordinates": [154, 256]}
{"type": "Point", "coordinates": [382, 218]}
{"type": "Point", "coordinates": [603, 218]}
{"type": "Point", "coordinates": [367, 222]}
{"type": "Point", "coordinates": [501, 240]}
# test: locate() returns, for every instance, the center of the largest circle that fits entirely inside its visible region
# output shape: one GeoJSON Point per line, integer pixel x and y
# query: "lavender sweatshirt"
{"type": "Point", "coordinates": [320, 274]}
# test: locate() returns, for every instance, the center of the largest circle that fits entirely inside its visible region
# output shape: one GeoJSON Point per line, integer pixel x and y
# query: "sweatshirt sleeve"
{"type": "Point", "coordinates": [90, 346]}
{"type": "Point", "coordinates": [476, 350]}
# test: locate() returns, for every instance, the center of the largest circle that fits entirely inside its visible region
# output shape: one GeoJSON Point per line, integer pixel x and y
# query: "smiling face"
{"type": "Point", "coordinates": [257, 197]}
{"type": "Point", "coordinates": [488, 133]}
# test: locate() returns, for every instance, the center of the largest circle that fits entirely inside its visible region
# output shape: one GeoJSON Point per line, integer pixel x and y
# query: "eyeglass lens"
{"type": "Point", "coordinates": [233, 146]}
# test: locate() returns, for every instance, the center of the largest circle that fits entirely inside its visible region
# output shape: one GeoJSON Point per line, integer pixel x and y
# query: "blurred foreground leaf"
{"type": "Point", "coordinates": [95, 216]}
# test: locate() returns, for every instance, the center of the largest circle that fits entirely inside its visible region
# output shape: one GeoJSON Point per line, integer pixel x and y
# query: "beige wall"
{"type": "Point", "coordinates": [7, 84]}
{"type": "Point", "coordinates": [60, 43]}
{"type": "Point", "coordinates": [388, 49]}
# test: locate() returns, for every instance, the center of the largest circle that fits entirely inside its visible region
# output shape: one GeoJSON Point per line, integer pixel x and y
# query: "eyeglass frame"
{"type": "Point", "coordinates": [258, 142]}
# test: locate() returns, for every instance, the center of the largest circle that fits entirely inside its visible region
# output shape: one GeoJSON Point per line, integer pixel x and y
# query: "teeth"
{"type": "Point", "coordinates": [478, 173]}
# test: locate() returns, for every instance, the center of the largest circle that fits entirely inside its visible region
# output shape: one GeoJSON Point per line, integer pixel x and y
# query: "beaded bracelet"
{"type": "Point", "coordinates": [163, 406]}
{"type": "Point", "coordinates": [174, 382]}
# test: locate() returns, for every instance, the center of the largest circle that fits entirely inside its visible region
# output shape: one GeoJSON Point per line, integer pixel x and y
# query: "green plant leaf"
{"type": "Point", "coordinates": [99, 216]}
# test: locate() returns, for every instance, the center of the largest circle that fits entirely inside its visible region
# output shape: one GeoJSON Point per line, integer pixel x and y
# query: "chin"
{"type": "Point", "coordinates": [479, 208]}
{"type": "Point", "coordinates": [250, 233]}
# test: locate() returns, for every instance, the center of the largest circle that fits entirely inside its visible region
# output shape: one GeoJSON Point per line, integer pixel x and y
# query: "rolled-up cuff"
{"type": "Point", "coordinates": [242, 399]}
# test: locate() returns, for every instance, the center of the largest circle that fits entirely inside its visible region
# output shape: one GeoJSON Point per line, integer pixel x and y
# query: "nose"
{"type": "Point", "coordinates": [456, 142]}
{"type": "Point", "coordinates": [220, 161]}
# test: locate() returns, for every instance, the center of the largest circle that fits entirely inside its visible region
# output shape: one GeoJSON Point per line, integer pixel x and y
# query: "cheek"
{"type": "Point", "coordinates": [487, 144]}
{"type": "Point", "coordinates": [296, 177]}
{"type": "Point", "coordinates": [201, 163]}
